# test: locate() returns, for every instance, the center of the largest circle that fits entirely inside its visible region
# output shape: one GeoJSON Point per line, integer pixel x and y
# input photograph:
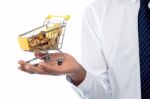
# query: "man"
{"type": "Point", "coordinates": [115, 52]}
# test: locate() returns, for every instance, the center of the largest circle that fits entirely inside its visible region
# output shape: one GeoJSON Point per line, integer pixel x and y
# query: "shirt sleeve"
{"type": "Point", "coordinates": [96, 83]}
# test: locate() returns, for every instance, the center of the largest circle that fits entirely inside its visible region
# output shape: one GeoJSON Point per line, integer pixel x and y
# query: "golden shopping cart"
{"type": "Point", "coordinates": [46, 39]}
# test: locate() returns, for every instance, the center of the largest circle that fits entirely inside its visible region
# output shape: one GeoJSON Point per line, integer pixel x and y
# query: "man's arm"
{"type": "Point", "coordinates": [70, 67]}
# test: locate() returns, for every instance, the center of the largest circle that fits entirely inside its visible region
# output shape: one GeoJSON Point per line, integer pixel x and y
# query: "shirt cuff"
{"type": "Point", "coordinates": [87, 82]}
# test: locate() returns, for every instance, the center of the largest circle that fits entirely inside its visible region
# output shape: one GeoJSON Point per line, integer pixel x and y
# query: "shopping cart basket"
{"type": "Point", "coordinates": [46, 38]}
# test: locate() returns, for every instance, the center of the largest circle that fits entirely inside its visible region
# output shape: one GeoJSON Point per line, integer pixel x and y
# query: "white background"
{"type": "Point", "coordinates": [19, 16]}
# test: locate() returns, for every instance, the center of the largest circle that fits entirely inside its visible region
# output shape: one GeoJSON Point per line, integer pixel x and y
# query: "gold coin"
{"type": "Point", "coordinates": [41, 35]}
{"type": "Point", "coordinates": [34, 42]}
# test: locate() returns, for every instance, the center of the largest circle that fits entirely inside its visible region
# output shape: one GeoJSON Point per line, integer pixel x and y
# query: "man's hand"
{"type": "Point", "coordinates": [69, 67]}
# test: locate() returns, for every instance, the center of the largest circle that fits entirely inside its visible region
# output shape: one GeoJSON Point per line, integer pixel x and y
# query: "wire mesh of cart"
{"type": "Point", "coordinates": [45, 39]}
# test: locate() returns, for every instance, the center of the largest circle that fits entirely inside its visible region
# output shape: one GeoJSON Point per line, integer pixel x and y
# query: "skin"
{"type": "Point", "coordinates": [70, 67]}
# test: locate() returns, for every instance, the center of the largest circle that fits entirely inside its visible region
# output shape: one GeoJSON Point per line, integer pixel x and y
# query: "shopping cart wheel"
{"type": "Point", "coordinates": [46, 58]}
{"type": "Point", "coordinates": [60, 61]}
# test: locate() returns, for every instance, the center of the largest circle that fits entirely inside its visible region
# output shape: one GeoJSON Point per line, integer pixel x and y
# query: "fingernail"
{"type": "Point", "coordinates": [20, 61]}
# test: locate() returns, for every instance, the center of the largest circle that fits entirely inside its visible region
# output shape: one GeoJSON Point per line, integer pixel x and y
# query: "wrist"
{"type": "Point", "coordinates": [78, 76]}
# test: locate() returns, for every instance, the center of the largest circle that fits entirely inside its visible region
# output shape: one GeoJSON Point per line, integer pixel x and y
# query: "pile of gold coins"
{"type": "Point", "coordinates": [45, 40]}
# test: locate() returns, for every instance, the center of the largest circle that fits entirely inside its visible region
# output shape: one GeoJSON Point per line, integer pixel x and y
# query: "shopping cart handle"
{"type": "Point", "coordinates": [67, 17]}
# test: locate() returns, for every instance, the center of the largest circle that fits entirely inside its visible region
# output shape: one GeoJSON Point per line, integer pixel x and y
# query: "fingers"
{"type": "Point", "coordinates": [35, 69]}
{"type": "Point", "coordinates": [30, 68]}
{"type": "Point", "coordinates": [41, 68]}
{"type": "Point", "coordinates": [22, 64]}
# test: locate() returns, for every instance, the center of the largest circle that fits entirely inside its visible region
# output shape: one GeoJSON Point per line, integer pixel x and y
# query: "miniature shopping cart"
{"type": "Point", "coordinates": [46, 39]}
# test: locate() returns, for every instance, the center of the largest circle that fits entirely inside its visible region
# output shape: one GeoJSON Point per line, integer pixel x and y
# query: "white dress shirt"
{"type": "Point", "coordinates": [110, 50]}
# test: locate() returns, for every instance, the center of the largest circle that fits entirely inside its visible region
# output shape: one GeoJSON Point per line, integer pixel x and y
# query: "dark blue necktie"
{"type": "Point", "coordinates": [144, 47]}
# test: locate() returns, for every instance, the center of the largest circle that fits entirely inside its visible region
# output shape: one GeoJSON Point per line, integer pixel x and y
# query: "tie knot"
{"type": "Point", "coordinates": [145, 2]}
